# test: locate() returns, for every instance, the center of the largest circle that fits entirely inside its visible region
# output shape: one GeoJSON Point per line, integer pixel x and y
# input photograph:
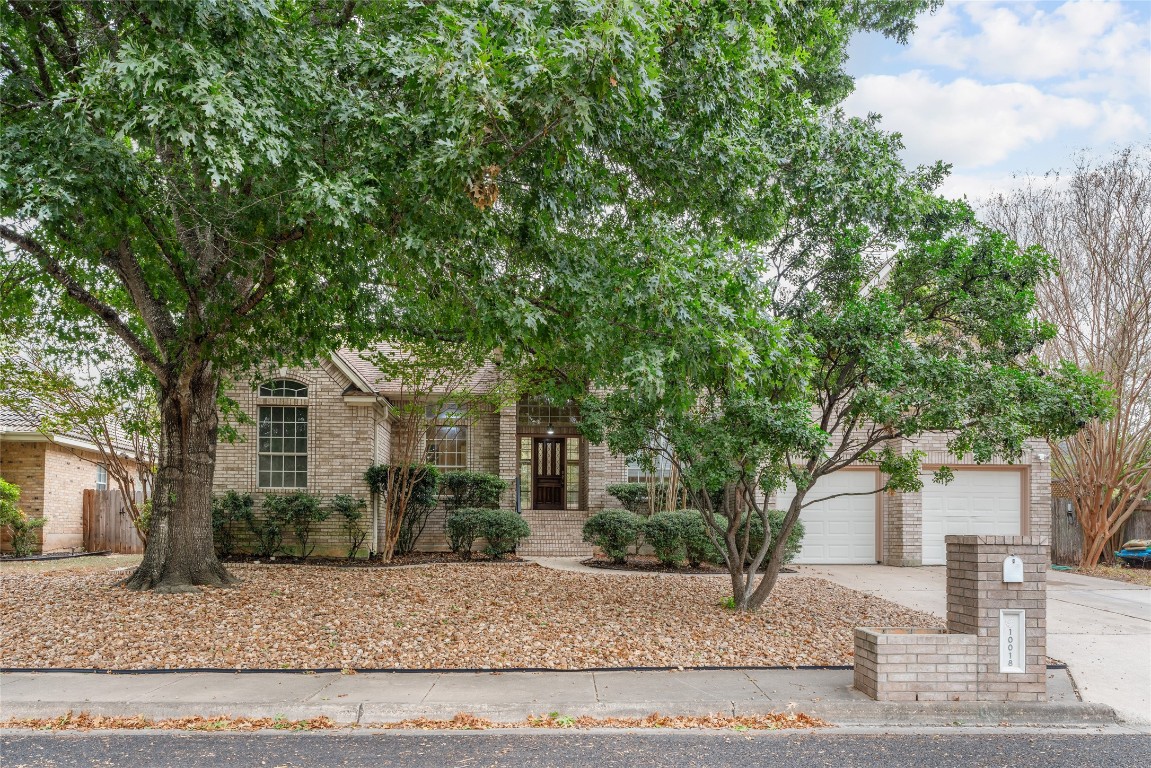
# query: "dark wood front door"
{"type": "Point", "coordinates": [548, 471]}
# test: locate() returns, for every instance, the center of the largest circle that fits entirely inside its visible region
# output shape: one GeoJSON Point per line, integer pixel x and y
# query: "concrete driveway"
{"type": "Point", "coordinates": [1100, 628]}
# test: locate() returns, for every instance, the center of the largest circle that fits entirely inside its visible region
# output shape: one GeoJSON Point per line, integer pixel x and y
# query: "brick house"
{"type": "Point", "coordinates": [52, 472]}
{"type": "Point", "coordinates": [319, 428]}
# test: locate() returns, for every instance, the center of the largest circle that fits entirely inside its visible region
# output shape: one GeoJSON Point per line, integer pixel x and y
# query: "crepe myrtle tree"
{"type": "Point", "coordinates": [935, 335]}
{"type": "Point", "coordinates": [227, 184]}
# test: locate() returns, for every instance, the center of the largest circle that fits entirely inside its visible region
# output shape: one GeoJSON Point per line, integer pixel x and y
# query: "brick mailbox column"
{"type": "Point", "coordinates": [1007, 618]}
{"type": "Point", "coordinates": [995, 644]}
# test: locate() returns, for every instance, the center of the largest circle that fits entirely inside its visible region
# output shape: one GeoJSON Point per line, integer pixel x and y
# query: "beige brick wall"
{"type": "Point", "coordinates": [976, 593]}
{"type": "Point", "coordinates": [52, 479]}
{"type": "Point", "coordinates": [22, 463]}
{"type": "Point", "coordinates": [67, 472]}
{"type": "Point", "coordinates": [342, 444]}
{"type": "Point", "coordinates": [914, 664]}
{"type": "Point", "coordinates": [962, 663]}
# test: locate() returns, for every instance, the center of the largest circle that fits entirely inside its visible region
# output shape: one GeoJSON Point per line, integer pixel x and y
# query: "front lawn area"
{"type": "Point", "coordinates": [444, 616]}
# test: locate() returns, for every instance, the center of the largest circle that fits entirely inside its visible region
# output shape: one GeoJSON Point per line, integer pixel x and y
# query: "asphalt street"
{"type": "Point", "coordinates": [570, 750]}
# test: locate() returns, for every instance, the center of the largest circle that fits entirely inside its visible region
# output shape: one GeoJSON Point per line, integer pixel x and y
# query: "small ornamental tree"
{"type": "Point", "coordinates": [884, 320]}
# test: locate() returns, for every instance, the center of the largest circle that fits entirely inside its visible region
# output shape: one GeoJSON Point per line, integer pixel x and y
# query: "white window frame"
{"type": "Point", "coordinates": [101, 477]}
{"type": "Point", "coordinates": [282, 459]}
{"type": "Point", "coordinates": [447, 416]}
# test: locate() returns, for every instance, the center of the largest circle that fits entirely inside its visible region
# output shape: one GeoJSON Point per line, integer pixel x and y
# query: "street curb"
{"type": "Point", "coordinates": [888, 714]}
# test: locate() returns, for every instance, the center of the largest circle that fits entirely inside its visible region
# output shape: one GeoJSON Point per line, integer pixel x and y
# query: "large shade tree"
{"type": "Point", "coordinates": [223, 183]}
{"type": "Point", "coordinates": [1096, 221]}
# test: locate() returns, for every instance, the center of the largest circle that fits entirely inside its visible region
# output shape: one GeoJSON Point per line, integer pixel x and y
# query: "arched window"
{"type": "Point", "coordinates": [283, 388]}
{"type": "Point", "coordinates": [283, 437]}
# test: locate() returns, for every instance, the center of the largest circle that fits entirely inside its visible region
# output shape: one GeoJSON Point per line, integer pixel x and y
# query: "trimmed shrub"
{"type": "Point", "coordinates": [664, 531]}
{"type": "Point", "coordinates": [298, 510]}
{"type": "Point", "coordinates": [351, 511]}
{"type": "Point", "coordinates": [700, 549]}
{"type": "Point", "coordinates": [614, 531]}
{"type": "Point", "coordinates": [269, 527]}
{"type": "Point", "coordinates": [502, 530]}
{"type": "Point", "coordinates": [696, 543]}
{"type": "Point", "coordinates": [21, 527]}
{"type": "Point", "coordinates": [463, 527]}
{"type": "Point", "coordinates": [472, 489]}
{"type": "Point", "coordinates": [775, 521]}
{"type": "Point", "coordinates": [227, 511]}
{"type": "Point", "coordinates": [633, 496]}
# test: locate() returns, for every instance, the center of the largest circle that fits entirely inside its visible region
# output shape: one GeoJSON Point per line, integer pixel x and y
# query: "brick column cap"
{"type": "Point", "coordinates": [1007, 541]}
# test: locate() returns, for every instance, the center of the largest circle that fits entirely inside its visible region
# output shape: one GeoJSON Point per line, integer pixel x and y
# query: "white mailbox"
{"type": "Point", "coordinates": [1013, 570]}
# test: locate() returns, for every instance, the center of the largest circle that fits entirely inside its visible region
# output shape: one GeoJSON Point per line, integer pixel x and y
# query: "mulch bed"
{"type": "Point", "coordinates": [452, 616]}
{"type": "Point", "coordinates": [641, 564]}
{"type": "Point", "coordinates": [398, 561]}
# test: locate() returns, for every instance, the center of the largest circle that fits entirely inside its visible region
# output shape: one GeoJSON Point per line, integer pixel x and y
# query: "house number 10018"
{"type": "Point", "coordinates": [1012, 640]}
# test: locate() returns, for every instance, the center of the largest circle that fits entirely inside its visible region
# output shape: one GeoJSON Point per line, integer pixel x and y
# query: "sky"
{"type": "Point", "coordinates": [1001, 88]}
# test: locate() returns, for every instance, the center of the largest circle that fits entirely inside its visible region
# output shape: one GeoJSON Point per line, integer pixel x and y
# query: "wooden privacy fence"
{"type": "Point", "coordinates": [107, 525]}
{"type": "Point", "coordinates": [1067, 537]}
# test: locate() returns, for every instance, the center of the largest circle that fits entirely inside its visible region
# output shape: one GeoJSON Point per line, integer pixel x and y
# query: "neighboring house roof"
{"type": "Point", "coordinates": [21, 425]}
{"type": "Point", "coordinates": [364, 368]}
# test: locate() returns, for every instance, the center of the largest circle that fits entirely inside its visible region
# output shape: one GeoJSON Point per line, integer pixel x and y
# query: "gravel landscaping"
{"type": "Point", "coordinates": [442, 616]}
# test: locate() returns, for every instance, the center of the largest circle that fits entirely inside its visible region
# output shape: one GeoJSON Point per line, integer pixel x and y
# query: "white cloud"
{"type": "Point", "coordinates": [973, 124]}
{"type": "Point", "coordinates": [1098, 43]}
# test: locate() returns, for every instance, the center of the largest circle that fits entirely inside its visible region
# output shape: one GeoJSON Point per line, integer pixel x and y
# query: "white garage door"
{"type": "Point", "coordinates": [976, 502]}
{"type": "Point", "coordinates": [839, 530]}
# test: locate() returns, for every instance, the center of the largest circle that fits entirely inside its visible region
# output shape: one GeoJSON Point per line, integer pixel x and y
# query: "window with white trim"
{"type": "Point", "coordinates": [283, 437]}
{"type": "Point", "coordinates": [283, 388]}
{"type": "Point", "coordinates": [101, 477]}
{"type": "Point", "coordinates": [447, 438]}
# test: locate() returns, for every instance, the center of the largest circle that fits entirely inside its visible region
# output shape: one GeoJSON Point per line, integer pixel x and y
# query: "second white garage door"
{"type": "Point", "coordinates": [839, 530]}
{"type": "Point", "coordinates": [980, 502]}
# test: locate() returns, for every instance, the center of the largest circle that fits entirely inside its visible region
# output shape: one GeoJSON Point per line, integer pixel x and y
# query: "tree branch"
{"type": "Point", "coordinates": [84, 297]}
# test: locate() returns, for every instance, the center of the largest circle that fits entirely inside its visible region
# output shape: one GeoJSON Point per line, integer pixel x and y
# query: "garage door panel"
{"type": "Point", "coordinates": [839, 530]}
{"type": "Point", "coordinates": [976, 502]}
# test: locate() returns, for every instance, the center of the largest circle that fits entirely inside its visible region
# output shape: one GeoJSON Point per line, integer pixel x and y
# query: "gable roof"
{"type": "Point", "coordinates": [360, 363]}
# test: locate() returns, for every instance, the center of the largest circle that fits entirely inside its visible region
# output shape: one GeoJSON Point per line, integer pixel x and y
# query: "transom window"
{"type": "Point", "coordinates": [283, 450]}
{"type": "Point", "coordinates": [283, 388]}
{"type": "Point", "coordinates": [447, 437]}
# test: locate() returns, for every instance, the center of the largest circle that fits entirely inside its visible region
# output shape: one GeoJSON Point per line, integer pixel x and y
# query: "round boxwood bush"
{"type": "Point", "coordinates": [463, 527]}
{"type": "Point", "coordinates": [664, 531]}
{"type": "Point", "coordinates": [502, 530]}
{"type": "Point", "coordinates": [614, 531]}
{"type": "Point", "coordinates": [700, 549]}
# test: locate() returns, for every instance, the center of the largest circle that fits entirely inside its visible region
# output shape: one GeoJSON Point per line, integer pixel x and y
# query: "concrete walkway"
{"type": "Point", "coordinates": [377, 697]}
{"type": "Point", "coordinates": [1100, 628]}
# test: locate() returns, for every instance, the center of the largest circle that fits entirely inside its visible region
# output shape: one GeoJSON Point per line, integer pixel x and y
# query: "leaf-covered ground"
{"type": "Point", "coordinates": [446, 616]}
{"type": "Point", "coordinates": [1141, 576]}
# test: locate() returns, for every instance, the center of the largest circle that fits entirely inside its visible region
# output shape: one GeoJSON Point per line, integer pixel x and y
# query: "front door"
{"type": "Point", "coordinates": [548, 471]}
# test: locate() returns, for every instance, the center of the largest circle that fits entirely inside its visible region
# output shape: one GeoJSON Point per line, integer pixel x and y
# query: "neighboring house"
{"type": "Point", "coordinates": [318, 429]}
{"type": "Point", "coordinates": [52, 472]}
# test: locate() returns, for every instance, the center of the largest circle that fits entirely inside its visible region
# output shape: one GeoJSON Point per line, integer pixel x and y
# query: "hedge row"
{"type": "Point", "coordinates": [676, 536]}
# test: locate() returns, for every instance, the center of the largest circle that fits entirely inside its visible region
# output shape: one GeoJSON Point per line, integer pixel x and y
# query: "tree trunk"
{"type": "Point", "coordinates": [179, 555]}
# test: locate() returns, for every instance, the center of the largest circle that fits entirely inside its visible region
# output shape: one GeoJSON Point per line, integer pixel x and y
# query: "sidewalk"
{"type": "Point", "coordinates": [376, 697]}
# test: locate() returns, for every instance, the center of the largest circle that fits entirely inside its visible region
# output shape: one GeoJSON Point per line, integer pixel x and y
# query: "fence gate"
{"type": "Point", "coordinates": [107, 525]}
